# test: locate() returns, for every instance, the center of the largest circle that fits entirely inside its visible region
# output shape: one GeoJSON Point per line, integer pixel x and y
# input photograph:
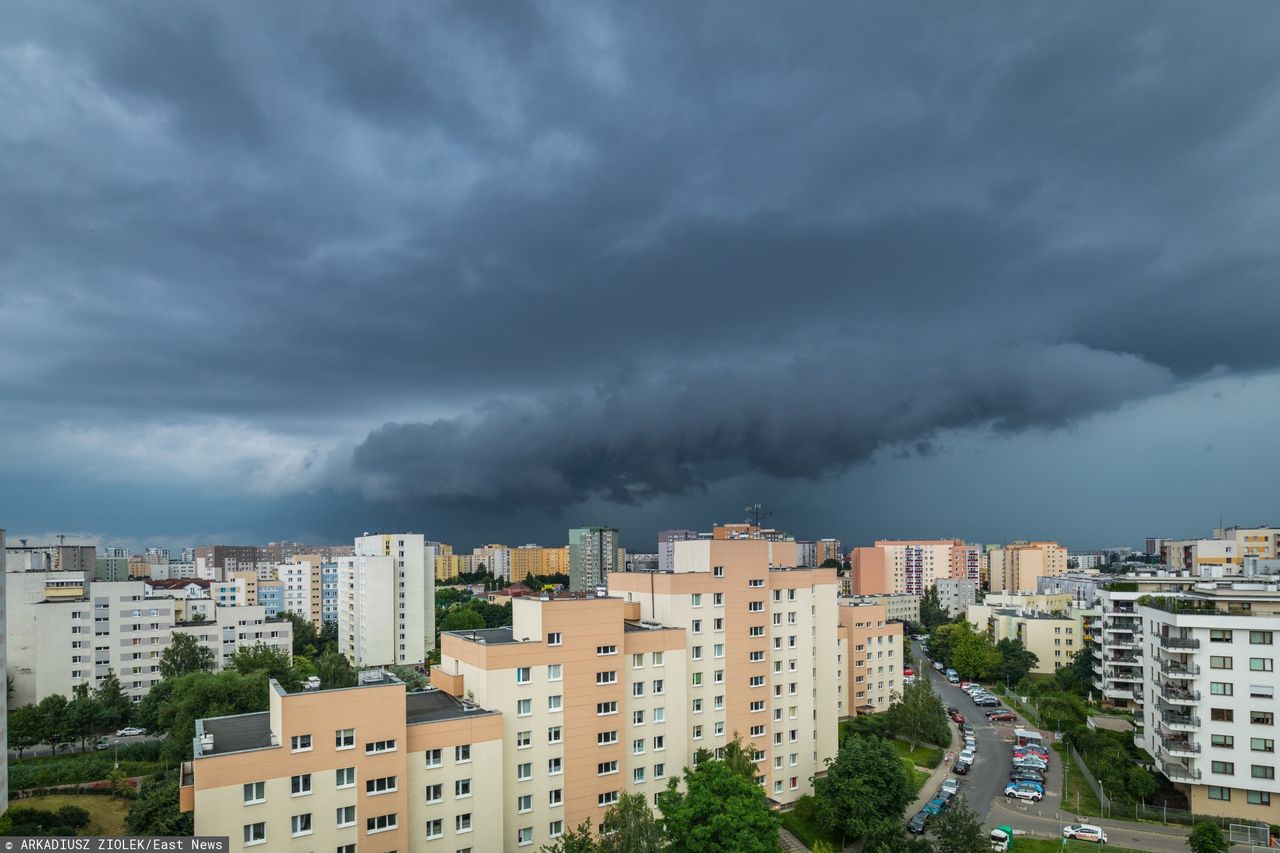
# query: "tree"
{"type": "Point", "coordinates": [25, 728]}
{"type": "Point", "coordinates": [889, 836]}
{"type": "Point", "coordinates": [174, 705]}
{"type": "Point", "coordinates": [334, 670]}
{"type": "Point", "coordinates": [630, 827]}
{"type": "Point", "coordinates": [1016, 660]}
{"type": "Point", "coordinates": [155, 811]}
{"type": "Point", "coordinates": [115, 707]}
{"type": "Point", "coordinates": [268, 660]}
{"type": "Point", "coordinates": [51, 713]}
{"type": "Point", "coordinates": [958, 830]}
{"type": "Point", "coordinates": [831, 563]}
{"type": "Point", "coordinates": [720, 811]}
{"type": "Point", "coordinates": [1207, 837]}
{"type": "Point", "coordinates": [574, 841]}
{"type": "Point", "coordinates": [462, 619]}
{"type": "Point", "coordinates": [1078, 677]}
{"type": "Point", "coordinates": [83, 715]}
{"type": "Point", "coordinates": [735, 754]}
{"type": "Point", "coordinates": [974, 656]}
{"type": "Point", "coordinates": [919, 715]}
{"type": "Point", "coordinates": [866, 782]}
{"type": "Point", "coordinates": [183, 656]}
{"type": "Point", "coordinates": [932, 613]}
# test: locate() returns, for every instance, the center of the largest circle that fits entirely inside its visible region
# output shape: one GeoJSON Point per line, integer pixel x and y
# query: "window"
{"type": "Point", "coordinates": [757, 731]}
{"type": "Point", "coordinates": [553, 734]}
{"type": "Point", "coordinates": [696, 653]}
{"type": "Point", "coordinates": [344, 739]}
{"type": "Point", "coordinates": [346, 816]}
{"type": "Point", "coordinates": [604, 768]}
{"type": "Point", "coordinates": [659, 715]}
{"type": "Point", "coordinates": [637, 717]}
{"type": "Point", "coordinates": [755, 606]}
{"type": "Point", "coordinates": [607, 799]}
{"type": "Point", "coordinates": [462, 754]}
{"type": "Point", "coordinates": [718, 571]}
{"type": "Point", "coordinates": [606, 650]}
{"type": "Point", "coordinates": [435, 793]}
{"type": "Point", "coordinates": [378, 746]}
{"type": "Point", "coordinates": [1262, 691]}
{"type": "Point", "coordinates": [435, 828]}
{"type": "Point", "coordinates": [695, 600]}
{"type": "Point", "coordinates": [1262, 744]}
{"type": "Point", "coordinates": [255, 833]}
{"type": "Point", "coordinates": [462, 823]}
{"type": "Point", "coordinates": [757, 681]}
{"type": "Point", "coordinates": [1219, 636]}
{"type": "Point", "coordinates": [300, 824]}
{"type": "Point", "coordinates": [1259, 798]}
{"type": "Point", "coordinates": [755, 582]}
{"type": "Point", "coordinates": [659, 771]}
{"type": "Point", "coordinates": [756, 631]}
{"type": "Point", "coordinates": [659, 743]}
{"type": "Point", "coordinates": [609, 677]}
{"type": "Point", "coordinates": [605, 708]}
{"type": "Point", "coordinates": [717, 677]}
{"type": "Point", "coordinates": [524, 803]}
{"type": "Point", "coordinates": [524, 739]}
{"type": "Point", "coordinates": [757, 705]}
{"type": "Point", "coordinates": [755, 656]}
{"type": "Point", "coordinates": [697, 706]}
{"type": "Point", "coordinates": [1262, 771]}
{"type": "Point", "coordinates": [637, 775]}
{"type": "Point", "coordinates": [524, 772]}
{"type": "Point", "coordinates": [555, 703]}
{"type": "Point", "coordinates": [657, 658]}
{"type": "Point", "coordinates": [637, 688]}
{"type": "Point", "coordinates": [433, 758]}
{"type": "Point", "coordinates": [1219, 662]}
{"type": "Point", "coordinates": [695, 626]}
{"type": "Point", "coordinates": [554, 671]}
{"type": "Point", "coordinates": [1260, 638]}
{"type": "Point", "coordinates": [604, 738]}
{"type": "Point", "coordinates": [1227, 741]}
{"type": "Point", "coordinates": [347, 848]}
{"type": "Point", "coordinates": [717, 599]}
{"type": "Point", "coordinates": [524, 835]}
{"type": "Point", "coordinates": [697, 732]}
{"type": "Point", "coordinates": [255, 792]}
{"type": "Point", "coordinates": [524, 707]}
{"type": "Point", "coordinates": [554, 767]}
{"type": "Point", "coordinates": [1219, 793]}
{"type": "Point", "coordinates": [1262, 718]}
{"type": "Point", "coordinates": [1221, 688]}
{"type": "Point", "coordinates": [553, 639]}
{"type": "Point", "coordinates": [1223, 767]}
{"type": "Point", "coordinates": [524, 674]}
{"type": "Point", "coordinates": [300, 785]}
{"type": "Point", "coordinates": [1260, 664]}
{"type": "Point", "coordinates": [1221, 715]}
{"type": "Point", "coordinates": [300, 743]}
{"type": "Point", "coordinates": [555, 797]}
{"type": "Point", "coordinates": [637, 746]}
{"type": "Point", "coordinates": [381, 785]}
{"type": "Point", "coordinates": [696, 679]}
{"type": "Point", "coordinates": [461, 788]}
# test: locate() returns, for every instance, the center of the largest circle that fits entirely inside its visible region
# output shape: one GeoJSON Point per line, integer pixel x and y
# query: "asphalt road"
{"type": "Point", "coordinates": [45, 749]}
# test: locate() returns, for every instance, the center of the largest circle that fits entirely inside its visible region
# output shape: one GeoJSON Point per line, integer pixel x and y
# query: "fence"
{"type": "Point", "coordinates": [1087, 776]}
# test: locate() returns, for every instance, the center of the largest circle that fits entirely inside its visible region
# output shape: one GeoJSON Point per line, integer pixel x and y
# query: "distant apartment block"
{"type": "Point", "coordinates": [594, 553]}
{"type": "Point", "coordinates": [955, 595]}
{"type": "Point", "coordinates": [495, 558]}
{"type": "Point", "coordinates": [870, 658]}
{"type": "Point", "coordinates": [827, 549]}
{"type": "Point", "coordinates": [899, 607]}
{"type": "Point", "coordinates": [667, 540]}
{"type": "Point", "coordinates": [533, 559]}
{"type": "Point", "coordinates": [1054, 638]}
{"type": "Point", "coordinates": [911, 566]}
{"type": "Point", "coordinates": [1015, 567]}
{"type": "Point", "coordinates": [386, 601]}
{"type": "Point", "coordinates": [51, 558]}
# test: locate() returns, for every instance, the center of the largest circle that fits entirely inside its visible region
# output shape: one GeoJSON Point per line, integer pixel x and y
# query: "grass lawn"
{"type": "Point", "coordinates": [921, 756]}
{"type": "Point", "coordinates": [1047, 845]}
{"type": "Point", "coordinates": [106, 814]}
{"type": "Point", "coordinates": [1076, 786]}
{"type": "Point", "coordinates": [916, 777]}
{"type": "Point", "coordinates": [807, 829]}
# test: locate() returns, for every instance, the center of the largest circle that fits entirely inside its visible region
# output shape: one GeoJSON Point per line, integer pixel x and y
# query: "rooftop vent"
{"type": "Point", "coordinates": [206, 742]}
{"type": "Point", "coordinates": [312, 683]}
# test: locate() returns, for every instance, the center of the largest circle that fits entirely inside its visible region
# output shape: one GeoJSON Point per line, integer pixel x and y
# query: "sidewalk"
{"type": "Point", "coordinates": [939, 773]}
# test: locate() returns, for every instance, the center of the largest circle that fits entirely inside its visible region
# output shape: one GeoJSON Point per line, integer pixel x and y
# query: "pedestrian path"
{"type": "Point", "coordinates": [939, 773]}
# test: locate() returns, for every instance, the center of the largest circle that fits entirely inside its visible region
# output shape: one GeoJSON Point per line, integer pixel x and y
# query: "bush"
{"type": "Point", "coordinates": [74, 770]}
{"type": "Point", "coordinates": [39, 822]}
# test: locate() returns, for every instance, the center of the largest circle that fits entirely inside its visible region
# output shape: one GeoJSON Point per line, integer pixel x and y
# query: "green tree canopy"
{"type": "Point", "coordinates": [462, 619]}
{"type": "Point", "coordinates": [115, 707]}
{"type": "Point", "coordinates": [577, 840]}
{"type": "Point", "coordinates": [306, 640]}
{"type": "Point", "coordinates": [334, 670]}
{"type": "Point", "coordinates": [52, 714]}
{"type": "Point", "coordinates": [974, 657]}
{"type": "Point", "coordinates": [720, 811]}
{"type": "Point", "coordinates": [919, 715]}
{"type": "Point", "coordinates": [173, 706]}
{"type": "Point", "coordinates": [932, 613]}
{"type": "Point", "coordinates": [831, 563]}
{"type": "Point", "coordinates": [83, 715]}
{"type": "Point", "coordinates": [26, 729]}
{"type": "Point", "coordinates": [155, 811]}
{"type": "Point", "coordinates": [1207, 837]}
{"type": "Point", "coordinates": [1016, 660]}
{"type": "Point", "coordinates": [958, 830]}
{"type": "Point", "coordinates": [630, 827]}
{"type": "Point", "coordinates": [184, 655]}
{"type": "Point", "coordinates": [268, 660]}
{"type": "Point", "coordinates": [866, 782]}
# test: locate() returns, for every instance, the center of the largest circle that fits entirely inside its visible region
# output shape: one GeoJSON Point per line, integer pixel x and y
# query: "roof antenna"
{"type": "Point", "coordinates": [756, 513]}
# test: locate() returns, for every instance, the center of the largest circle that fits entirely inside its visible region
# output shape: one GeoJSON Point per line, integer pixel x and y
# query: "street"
{"type": "Point", "coordinates": [46, 749]}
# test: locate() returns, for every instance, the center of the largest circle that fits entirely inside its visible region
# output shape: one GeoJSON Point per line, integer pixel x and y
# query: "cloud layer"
{"type": "Point", "coordinates": [525, 257]}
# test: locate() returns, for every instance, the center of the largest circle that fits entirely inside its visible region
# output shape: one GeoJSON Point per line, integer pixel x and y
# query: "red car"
{"type": "Point", "coordinates": [1007, 716]}
{"type": "Point", "coordinates": [958, 718]}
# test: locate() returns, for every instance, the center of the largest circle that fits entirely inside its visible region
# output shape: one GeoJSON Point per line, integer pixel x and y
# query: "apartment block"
{"type": "Point", "coordinates": [1015, 567]}
{"type": "Point", "coordinates": [911, 566]}
{"type": "Point", "coordinates": [495, 558]}
{"type": "Point", "coordinates": [271, 597]}
{"type": "Point", "coordinates": [371, 768]}
{"type": "Point", "coordinates": [449, 565]}
{"type": "Point", "coordinates": [66, 632]}
{"type": "Point", "coordinates": [304, 586]}
{"type": "Point", "coordinates": [869, 660]}
{"type": "Point", "coordinates": [1054, 638]}
{"type": "Point", "coordinates": [594, 553]}
{"type": "Point", "coordinates": [51, 558]}
{"type": "Point", "coordinates": [667, 540]}
{"type": "Point", "coordinates": [899, 607]}
{"type": "Point", "coordinates": [1203, 557]}
{"type": "Point", "coordinates": [536, 560]}
{"type": "Point", "coordinates": [1209, 694]}
{"type": "Point", "coordinates": [386, 601]}
{"type": "Point", "coordinates": [1260, 542]}
{"type": "Point", "coordinates": [827, 549]}
{"type": "Point", "coordinates": [956, 594]}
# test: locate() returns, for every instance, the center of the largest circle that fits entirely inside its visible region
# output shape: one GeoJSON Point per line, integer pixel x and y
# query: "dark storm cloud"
{"type": "Point", "coordinates": [628, 250]}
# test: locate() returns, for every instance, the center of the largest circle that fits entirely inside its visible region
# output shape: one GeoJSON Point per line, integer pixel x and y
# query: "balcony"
{"type": "Point", "coordinates": [1098, 684]}
{"type": "Point", "coordinates": [1173, 669]}
{"type": "Point", "coordinates": [1179, 722]}
{"type": "Point", "coordinates": [1125, 660]}
{"type": "Point", "coordinates": [1123, 675]}
{"type": "Point", "coordinates": [1179, 643]}
{"type": "Point", "coordinates": [1176, 771]}
{"type": "Point", "coordinates": [1125, 643]}
{"type": "Point", "coordinates": [1178, 695]}
{"type": "Point", "coordinates": [1097, 667]}
{"type": "Point", "coordinates": [1179, 746]}
{"type": "Point", "coordinates": [1118, 693]}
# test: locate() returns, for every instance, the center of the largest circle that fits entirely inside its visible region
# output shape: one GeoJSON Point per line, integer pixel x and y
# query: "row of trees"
{"type": "Point", "coordinates": [82, 718]}
{"type": "Point", "coordinates": [972, 654]}
{"type": "Point", "coordinates": [720, 810]}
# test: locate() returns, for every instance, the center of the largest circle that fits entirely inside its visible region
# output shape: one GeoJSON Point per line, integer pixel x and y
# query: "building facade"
{"type": "Point", "coordinates": [1015, 567]}
{"type": "Point", "coordinates": [594, 553]}
{"type": "Point", "coordinates": [911, 566]}
{"type": "Point", "coordinates": [870, 658]}
{"type": "Point", "coordinates": [495, 558]}
{"type": "Point", "coordinates": [956, 594]}
{"type": "Point", "coordinates": [386, 601]}
{"type": "Point", "coordinates": [898, 607]}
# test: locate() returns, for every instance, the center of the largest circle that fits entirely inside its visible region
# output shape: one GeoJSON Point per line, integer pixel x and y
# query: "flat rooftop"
{"type": "Point", "coordinates": [234, 734]}
{"type": "Point", "coordinates": [429, 706]}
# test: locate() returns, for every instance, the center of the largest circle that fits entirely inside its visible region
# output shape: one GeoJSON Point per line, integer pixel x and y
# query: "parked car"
{"type": "Point", "coordinates": [1026, 774]}
{"type": "Point", "coordinates": [1023, 793]}
{"type": "Point", "coordinates": [1001, 716]}
{"type": "Point", "coordinates": [957, 718]}
{"type": "Point", "coordinates": [1022, 764]}
{"type": "Point", "coordinates": [101, 744]}
{"type": "Point", "coordinates": [967, 728]}
{"type": "Point", "coordinates": [961, 766]}
{"type": "Point", "coordinates": [971, 744]}
{"type": "Point", "coordinates": [916, 824]}
{"type": "Point", "coordinates": [947, 797]}
{"type": "Point", "coordinates": [967, 755]}
{"type": "Point", "coordinates": [938, 666]}
{"type": "Point", "coordinates": [1029, 748]}
{"type": "Point", "coordinates": [952, 709]}
{"type": "Point", "coordinates": [131, 731]}
{"type": "Point", "coordinates": [935, 806]}
{"type": "Point", "coordinates": [988, 702]}
{"type": "Point", "coordinates": [1030, 786]}
{"type": "Point", "coordinates": [952, 785]}
{"type": "Point", "coordinates": [1037, 755]}
{"type": "Point", "coordinates": [1085, 832]}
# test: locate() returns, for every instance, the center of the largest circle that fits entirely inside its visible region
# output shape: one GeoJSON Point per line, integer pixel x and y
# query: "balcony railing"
{"type": "Point", "coordinates": [1174, 669]}
{"type": "Point", "coordinates": [1167, 642]}
{"type": "Point", "coordinates": [1180, 722]}
{"type": "Point", "coordinates": [1194, 607]}
{"type": "Point", "coordinates": [1179, 746]}
{"type": "Point", "coordinates": [1124, 661]}
{"type": "Point", "coordinates": [1177, 695]}
{"type": "Point", "coordinates": [1179, 772]}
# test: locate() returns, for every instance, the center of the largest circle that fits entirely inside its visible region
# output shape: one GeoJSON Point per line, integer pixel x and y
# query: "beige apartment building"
{"type": "Point", "coordinates": [536, 560]}
{"type": "Point", "coordinates": [370, 768]}
{"type": "Point", "coordinates": [1054, 638]}
{"type": "Point", "coordinates": [911, 566]}
{"type": "Point", "coordinates": [1015, 567]}
{"type": "Point", "coordinates": [869, 660]}
{"type": "Point", "coordinates": [898, 607]}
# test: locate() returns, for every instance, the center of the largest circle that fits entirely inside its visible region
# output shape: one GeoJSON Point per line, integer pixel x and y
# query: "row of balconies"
{"type": "Point", "coordinates": [1180, 746]}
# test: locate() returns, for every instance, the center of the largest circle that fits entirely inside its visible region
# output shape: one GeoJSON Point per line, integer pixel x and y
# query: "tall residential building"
{"type": "Point", "coordinates": [271, 597]}
{"type": "Point", "coordinates": [449, 565]}
{"type": "Point", "coordinates": [1015, 567]}
{"type": "Point", "coordinates": [667, 540]}
{"type": "Point", "coordinates": [386, 601]}
{"type": "Point", "coordinates": [807, 553]}
{"type": "Point", "coordinates": [303, 587]}
{"type": "Point", "coordinates": [111, 569]}
{"type": "Point", "coordinates": [956, 594]}
{"type": "Point", "coordinates": [536, 560]}
{"type": "Point", "coordinates": [52, 558]}
{"type": "Point", "coordinates": [68, 630]}
{"type": "Point", "coordinates": [1203, 557]}
{"type": "Point", "coordinates": [898, 606]}
{"type": "Point", "coordinates": [1209, 694]}
{"type": "Point", "coordinates": [495, 558]}
{"type": "Point", "coordinates": [593, 555]}
{"type": "Point", "coordinates": [1260, 542]}
{"type": "Point", "coordinates": [827, 549]}
{"type": "Point", "coordinates": [910, 566]}
{"type": "Point", "coordinates": [870, 658]}
{"type": "Point", "coordinates": [370, 768]}
{"type": "Point", "coordinates": [113, 552]}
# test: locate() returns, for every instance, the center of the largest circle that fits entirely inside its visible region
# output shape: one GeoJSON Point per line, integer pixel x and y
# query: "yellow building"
{"type": "Point", "coordinates": [1054, 638]}
{"type": "Point", "coordinates": [1015, 567]}
{"type": "Point", "coordinates": [535, 560]}
{"type": "Point", "coordinates": [450, 565]}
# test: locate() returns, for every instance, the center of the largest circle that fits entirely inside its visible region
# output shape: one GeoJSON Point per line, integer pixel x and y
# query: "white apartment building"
{"type": "Point", "coordinates": [496, 558]}
{"type": "Point", "coordinates": [66, 636]}
{"type": "Point", "coordinates": [386, 601]}
{"type": "Point", "coordinates": [1203, 557]}
{"type": "Point", "coordinates": [1209, 694]}
{"type": "Point", "coordinates": [956, 594]}
{"type": "Point", "coordinates": [302, 589]}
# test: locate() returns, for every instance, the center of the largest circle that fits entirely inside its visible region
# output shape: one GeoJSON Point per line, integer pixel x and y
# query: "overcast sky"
{"type": "Point", "coordinates": [487, 271]}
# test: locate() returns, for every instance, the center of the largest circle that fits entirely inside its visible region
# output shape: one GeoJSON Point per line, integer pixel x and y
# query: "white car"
{"type": "Point", "coordinates": [131, 731]}
{"type": "Point", "coordinates": [1085, 832]}
{"type": "Point", "coordinates": [951, 785]}
{"type": "Point", "coordinates": [966, 756]}
{"type": "Point", "coordinates": [970, 744]}
{"type": "Point", "coordinates": [1023, 793]}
